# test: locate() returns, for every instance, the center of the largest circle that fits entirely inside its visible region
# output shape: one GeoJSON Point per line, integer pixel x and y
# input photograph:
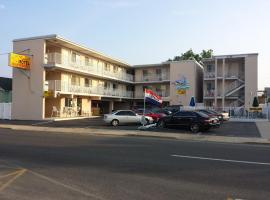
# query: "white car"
{"type": "Point", "coordinates": [126, 117]}
{"type": "Point", "coordinates": [225, 115]}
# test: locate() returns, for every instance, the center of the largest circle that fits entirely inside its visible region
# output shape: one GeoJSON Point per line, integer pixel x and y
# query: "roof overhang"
{"type": "Point", "coordinates": [57, 40]}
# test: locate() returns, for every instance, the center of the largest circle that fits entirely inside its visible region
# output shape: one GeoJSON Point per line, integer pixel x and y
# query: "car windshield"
{"type": "Point", "coordinates": [202, 114]}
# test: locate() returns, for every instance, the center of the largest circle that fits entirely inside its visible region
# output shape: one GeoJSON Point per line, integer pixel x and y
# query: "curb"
{"type": "Point", "coordinates": [165, 135]}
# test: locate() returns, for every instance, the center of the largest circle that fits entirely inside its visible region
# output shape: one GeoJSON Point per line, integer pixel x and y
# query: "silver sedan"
{"type": "Point", "coordinates": [126, 117]}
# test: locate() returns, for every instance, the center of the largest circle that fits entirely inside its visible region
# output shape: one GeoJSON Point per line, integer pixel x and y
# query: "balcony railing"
{"type": "Point", "coordinates": [66, 87]}
{"type": "Point", "coordinates": [154, 77]}
{"type": "Point", "coordinates": [66, 62]}
{"type": "Point", "coordinates": [163, 94]}
{"type": "Point", "coordinates": [209, 75]}
{"type": "Point", "coordinates": [209, 93]}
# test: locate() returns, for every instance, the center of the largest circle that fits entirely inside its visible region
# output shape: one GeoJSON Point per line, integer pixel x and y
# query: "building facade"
{"type": "Point", "coordinates": [230, 80]}
{"type": "Point", "coordinates": [161, 78]}
{"type": "Point", "coordinates": [69, 80]}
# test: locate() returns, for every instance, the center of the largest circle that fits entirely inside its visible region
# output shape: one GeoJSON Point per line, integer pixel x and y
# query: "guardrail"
{"type": "Point", "coordinates": [64, 86]}
{"type": "Point", "coordinates": [66, 62]}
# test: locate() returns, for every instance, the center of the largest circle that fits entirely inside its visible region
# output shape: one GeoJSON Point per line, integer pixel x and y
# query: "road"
{"type": "Point", "coordinates": [41, 166]}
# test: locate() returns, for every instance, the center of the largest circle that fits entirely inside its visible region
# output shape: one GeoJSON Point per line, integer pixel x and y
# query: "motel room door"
{"type": "Point", "coordinates": [79, 105]}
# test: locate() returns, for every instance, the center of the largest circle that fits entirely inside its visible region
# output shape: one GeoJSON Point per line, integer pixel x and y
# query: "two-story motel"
{"type": "Point", "coordinates": [67, 80]}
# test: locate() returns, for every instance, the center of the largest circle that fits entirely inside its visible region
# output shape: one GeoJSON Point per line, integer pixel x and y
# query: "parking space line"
{"type": "Point", "coordinates": [221, 160]}
{"type": "Point", "coordinates": [65, 186]}
{"type": "Point", "coordinates": [22, 170]}
{"type": "Point", "coordinates": [10, 174]}
{"type": "Point", "coordinates": [9, 182]}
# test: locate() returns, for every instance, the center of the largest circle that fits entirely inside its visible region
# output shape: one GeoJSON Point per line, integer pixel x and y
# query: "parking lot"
{"type": "Point", "coordinates": [237, 129]}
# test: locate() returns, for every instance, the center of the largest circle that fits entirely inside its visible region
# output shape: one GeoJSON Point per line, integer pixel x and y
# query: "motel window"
{"type": "Point", "coordinates": [158, 71]}
{"type": "Point", "coordinates": [145, 72]}
{"type": "Point", "coordinates": [68, 102]}
{"type": "Point", "coordinates": [87, 82]}
{"type": "Point", "coordinates": [115, 86]}
{"type": "Point", "coordinates": [75, 80]}
{"type": "Point", "coordinates": [73, 57]}
{"type": "Point", "coordinates": [115, 69]}
{"type": "Point", "coordinates": [106, 85]}
{"type": "Point", "coordinates": [209, 86]}
{"type": "Point", "coordinates": [210, 68]}
{"type": "Point", "coordinates": [87, 61]}
{"type": "Point", "coordinates": [107, 67]}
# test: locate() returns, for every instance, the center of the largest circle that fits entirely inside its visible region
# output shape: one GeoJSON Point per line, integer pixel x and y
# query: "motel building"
{"type": "Point", "coordinates": [68, 80]}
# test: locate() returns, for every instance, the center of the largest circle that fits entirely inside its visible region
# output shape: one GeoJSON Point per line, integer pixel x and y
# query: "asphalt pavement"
{"type": "Point", "coordinates": [234, 129]}
{"type": "Point", "coordinates": [37, 165]}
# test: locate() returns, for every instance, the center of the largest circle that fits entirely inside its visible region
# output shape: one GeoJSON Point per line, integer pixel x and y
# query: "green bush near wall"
{"type": "Point", "coordinates": [5, 97]}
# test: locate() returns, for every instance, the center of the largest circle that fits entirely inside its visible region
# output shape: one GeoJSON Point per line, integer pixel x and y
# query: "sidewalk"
{"type": "Point", "coordinates": [179, 136]}
{"type": "Point", "coordinates": [264, 128]}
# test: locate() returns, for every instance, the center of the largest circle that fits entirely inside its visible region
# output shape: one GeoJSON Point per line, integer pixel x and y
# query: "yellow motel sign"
{"type": "Point", "coordinates": [181, 91]}
{"type": "Point", "coordinates": [253, 109]}
{"type": "Point", "coordinates": [19, 61]}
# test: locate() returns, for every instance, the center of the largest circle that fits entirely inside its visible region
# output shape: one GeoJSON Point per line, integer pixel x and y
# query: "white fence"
{"type": "Point", "coordinates": [5, 110]}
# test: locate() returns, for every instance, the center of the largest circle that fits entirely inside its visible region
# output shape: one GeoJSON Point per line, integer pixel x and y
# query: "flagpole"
{"type": "Point", "coordinates": [144, 103]}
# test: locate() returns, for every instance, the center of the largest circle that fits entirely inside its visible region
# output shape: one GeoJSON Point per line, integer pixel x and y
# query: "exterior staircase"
{"type": "Point", "coordinates": [234, 86]}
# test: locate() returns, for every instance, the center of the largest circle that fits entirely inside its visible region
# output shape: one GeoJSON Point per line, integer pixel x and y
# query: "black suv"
{"type": "Point", "coordinates": [196, 121]}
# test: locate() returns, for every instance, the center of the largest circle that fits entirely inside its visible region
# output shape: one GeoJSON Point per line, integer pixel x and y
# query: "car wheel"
{"type": "Point", "coordinates": [195, 128]}
{"type": "Point", "coordinates": [147, 121]}
{"type": "Point", "coordinates": [161, 124]}
{"type": "Point", "coordinates": [115, 122]}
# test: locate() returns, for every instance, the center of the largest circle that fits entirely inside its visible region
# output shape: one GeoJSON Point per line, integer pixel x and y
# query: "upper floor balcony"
{"type": "Point", "coordinates": [163, 94]}
{"type": "Point", "coordinates": [209, 75]}
{"type": "Point", "coordinates": [153, 78]}
{"type": "Point", "coordinates": [209, 93]}
{"type": "Point", "coordinates": [66, 62]}
{"type": "Point", "coordinates": [67, 88]}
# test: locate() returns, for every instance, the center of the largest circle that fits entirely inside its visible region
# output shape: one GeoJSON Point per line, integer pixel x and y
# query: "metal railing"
{"type": "Point", "coordinates": [154, 77]}
{"type": "Point", "coordinates": [234, 76]}
{"type": "Point", "coordinates": [209, 75]}
{"type": "Point", "coordinates": [234, 85]}
{"type": "Point", "coordinates": [66, 87]}
{"type": "Point", "coordinates": [209, 93]}
{"type": "Point", "coordinates": [66, 62]}
{"type": "Point", "coordinates": [163, 94]}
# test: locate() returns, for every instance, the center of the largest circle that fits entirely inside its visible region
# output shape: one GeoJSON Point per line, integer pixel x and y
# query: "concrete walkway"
{"type": "Point", "coordinates": [96, 131]}
{"type": "Point", "coordinates": [264, 129]}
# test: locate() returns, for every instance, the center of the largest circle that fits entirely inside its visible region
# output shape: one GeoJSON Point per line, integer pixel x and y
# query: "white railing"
{"type": "Point", "coordinates": [209, 75]}
{"type": "Point", "coordinates": [234, 85]}
{"type": "Point", "coordinates": [209, 93]}
{"type": "Point", "coordinates": [66, 62]}
{"type": "Point", "coordinates": [163, 94]}
{"type": "Point", "coordinates": [66, 87]}
{"type": "Point", "coordinates": [154, 77]}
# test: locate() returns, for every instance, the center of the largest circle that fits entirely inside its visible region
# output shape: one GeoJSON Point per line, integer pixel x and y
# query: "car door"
{"type": "Point", "coordinates": [132, 117]}
{"type": "Point", "coordinates": [121, 116]}
{"type": "Point", "coordinates": [177, 118]}
{"type": "Point", "coordinates": [190, 118]}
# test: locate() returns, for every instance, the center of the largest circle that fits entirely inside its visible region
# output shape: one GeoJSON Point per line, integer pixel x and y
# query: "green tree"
{"type": "Point", "coordinates": [255, 102]}
{"type": "Point", "coordinates": [188, 55]}
{"type": "Point", "coordinates": [206, 53]}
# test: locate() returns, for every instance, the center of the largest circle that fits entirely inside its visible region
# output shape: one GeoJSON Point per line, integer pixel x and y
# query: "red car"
{"type": "Point", "coordinates": [155, 114]}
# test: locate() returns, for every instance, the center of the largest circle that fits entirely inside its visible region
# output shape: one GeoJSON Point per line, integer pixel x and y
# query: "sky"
{"type": "Point", "coordinates": [143, 31]}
